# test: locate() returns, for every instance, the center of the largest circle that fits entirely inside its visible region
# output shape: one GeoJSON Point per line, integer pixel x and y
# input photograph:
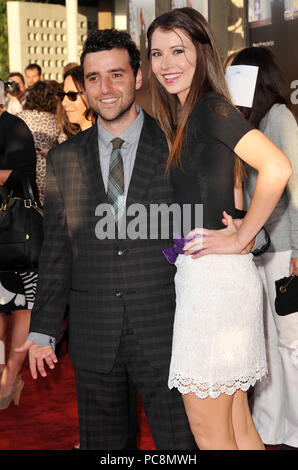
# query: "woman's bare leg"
{"type": "Point", "coordinates": [3, 330]}
{"type": "Point", "coordinates": [210, 420]}
{"type": "Point", "coordinates": [19, 331]}
{"type": "Point", "coordinates": [246, 435]}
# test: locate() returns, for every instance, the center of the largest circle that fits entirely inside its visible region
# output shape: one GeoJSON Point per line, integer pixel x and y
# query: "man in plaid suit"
{"type": "Point", "coordinates": [120, 291]}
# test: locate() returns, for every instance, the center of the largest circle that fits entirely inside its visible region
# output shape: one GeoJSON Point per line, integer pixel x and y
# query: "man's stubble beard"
{"type": "Point", "coordinates": [121, 113]}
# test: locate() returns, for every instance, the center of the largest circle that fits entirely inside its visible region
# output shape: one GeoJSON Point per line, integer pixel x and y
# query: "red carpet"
{"type": "Point", "coordinates": [46, 418]}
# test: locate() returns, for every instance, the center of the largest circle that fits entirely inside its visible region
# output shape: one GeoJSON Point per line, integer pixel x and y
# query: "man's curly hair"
{"type": "Point", "coordinates": [107, 39]}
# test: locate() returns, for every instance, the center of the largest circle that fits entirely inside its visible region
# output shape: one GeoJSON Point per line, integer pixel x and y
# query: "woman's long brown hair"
{"type": "Point", "coordinates": [208, 76]}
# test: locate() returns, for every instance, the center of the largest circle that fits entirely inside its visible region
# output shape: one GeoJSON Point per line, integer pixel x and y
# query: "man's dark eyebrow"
{"type": "Point", "coordinates": [90, 74]}
{"type": "Point", "coordinates": [117, 69]}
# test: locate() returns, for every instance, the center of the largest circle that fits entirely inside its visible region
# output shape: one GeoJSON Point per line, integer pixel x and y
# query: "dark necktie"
{"type": "Point", "coordinates": [115, 191]}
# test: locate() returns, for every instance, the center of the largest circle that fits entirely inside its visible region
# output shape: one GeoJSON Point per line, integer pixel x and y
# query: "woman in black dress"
{"type": "Point", "coordinates": [17, 291]}
{"type": "Point", "coordinates": [218, 340]}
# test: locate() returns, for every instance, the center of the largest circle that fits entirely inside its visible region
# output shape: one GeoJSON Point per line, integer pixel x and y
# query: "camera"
{"type": "Point", "coordinates": [11, 87]}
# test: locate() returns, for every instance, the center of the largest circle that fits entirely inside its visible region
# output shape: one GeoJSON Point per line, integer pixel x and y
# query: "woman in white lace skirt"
{"type": "Point", "coordinates": [218, 342]}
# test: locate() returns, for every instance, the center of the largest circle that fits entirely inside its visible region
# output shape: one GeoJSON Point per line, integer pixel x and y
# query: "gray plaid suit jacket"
{"type": "Point", "coordinates": [102, 280]}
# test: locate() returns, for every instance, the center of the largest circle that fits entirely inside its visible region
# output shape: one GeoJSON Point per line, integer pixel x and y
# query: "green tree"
{"type": "Point", "coordinates": [3, 40]}
{"type": "Point", "coordinates": [4, 60]}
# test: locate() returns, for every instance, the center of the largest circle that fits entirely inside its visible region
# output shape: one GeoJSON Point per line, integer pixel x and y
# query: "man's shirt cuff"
{"type": "Point", "coordinates": [42, 339]}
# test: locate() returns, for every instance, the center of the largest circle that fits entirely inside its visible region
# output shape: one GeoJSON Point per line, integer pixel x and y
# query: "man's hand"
{"type": "Point", "coordinates": [37, 356]}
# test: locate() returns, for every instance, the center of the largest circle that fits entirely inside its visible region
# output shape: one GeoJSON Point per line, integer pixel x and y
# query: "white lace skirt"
{"type": "Point", "coordinates": [218, 339]}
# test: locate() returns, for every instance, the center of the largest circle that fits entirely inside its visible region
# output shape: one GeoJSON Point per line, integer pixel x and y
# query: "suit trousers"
{"type": "Point", "coordinates": [103, 402]}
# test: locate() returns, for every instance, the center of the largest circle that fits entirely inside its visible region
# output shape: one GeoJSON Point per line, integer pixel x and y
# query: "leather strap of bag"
{"type": "Point", "coordinates": [27, 188]}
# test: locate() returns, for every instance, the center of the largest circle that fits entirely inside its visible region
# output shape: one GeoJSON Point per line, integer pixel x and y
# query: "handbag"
{"type": "Point", "coordinates": [286, 300]}
{"type": "Point", "coordinates": [21, 229]}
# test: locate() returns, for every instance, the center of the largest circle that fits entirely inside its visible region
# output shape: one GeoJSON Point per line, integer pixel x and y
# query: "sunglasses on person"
{"type": "Point", "coordinates": [71, 95]}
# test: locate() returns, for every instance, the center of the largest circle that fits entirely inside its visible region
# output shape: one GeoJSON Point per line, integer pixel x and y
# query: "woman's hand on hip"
{"type": "Point", "coordinates": [223, 241]}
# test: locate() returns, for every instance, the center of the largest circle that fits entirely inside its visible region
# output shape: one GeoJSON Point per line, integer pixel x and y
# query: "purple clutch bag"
{"type": "Point", "coordinates": [177, 249]}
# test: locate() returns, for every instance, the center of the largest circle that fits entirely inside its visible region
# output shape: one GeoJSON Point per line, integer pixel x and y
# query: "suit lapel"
{"type": "Point", "coordinates": [90, 166]}
{"type": "Point", "coordinates": [147, 158]}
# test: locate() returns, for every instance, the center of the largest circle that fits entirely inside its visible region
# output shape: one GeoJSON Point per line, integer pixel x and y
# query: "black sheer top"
{"type": "Point", "coordinates": [207, 175]}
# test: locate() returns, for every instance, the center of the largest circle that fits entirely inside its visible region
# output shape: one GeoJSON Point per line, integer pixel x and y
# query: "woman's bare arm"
{"type": "Point", "coordinates": [4, 174]}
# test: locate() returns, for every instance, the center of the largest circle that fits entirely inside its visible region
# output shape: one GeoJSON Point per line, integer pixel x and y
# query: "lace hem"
{"type": "Point", "coordinates": [204, 389]}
